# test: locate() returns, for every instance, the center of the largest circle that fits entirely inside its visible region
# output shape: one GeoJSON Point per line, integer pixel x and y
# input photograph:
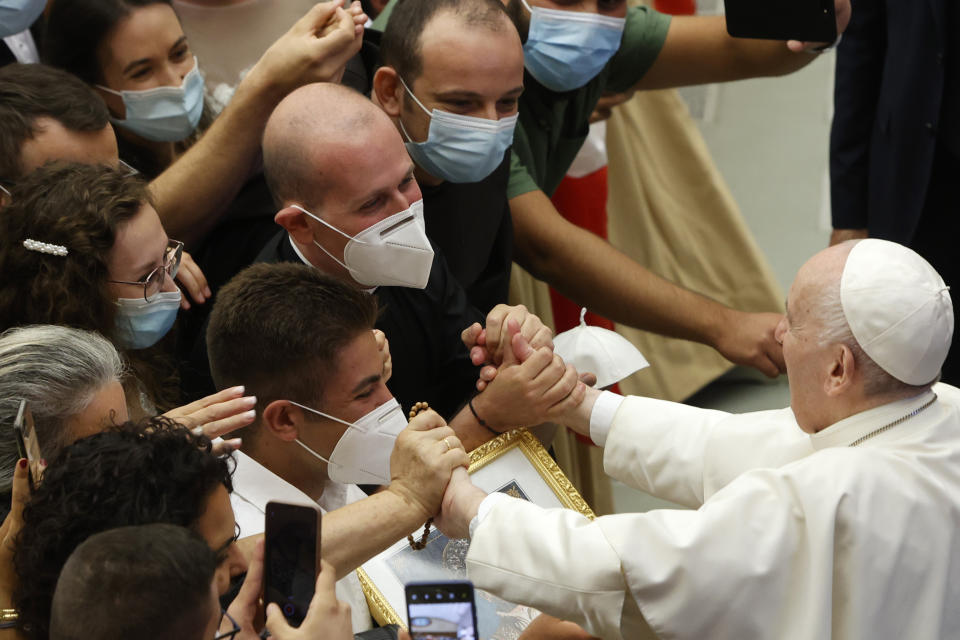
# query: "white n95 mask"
{"type": "Point", "coordinates": [163, 114]}
{"type": "Point", "coordinates": [362, 455]}
{"type": "Point", "coordinates": [394, 252]}
{"type": "Point", "coordinates": [460, 148]}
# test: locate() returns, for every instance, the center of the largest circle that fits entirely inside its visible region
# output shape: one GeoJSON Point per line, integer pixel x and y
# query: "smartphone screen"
{"type": "Point", "coordinates": [28, 446]}
{"type": "Point", "coordinates": [291, 557]}
{"type": "Point", "coordinates": [438, 610]}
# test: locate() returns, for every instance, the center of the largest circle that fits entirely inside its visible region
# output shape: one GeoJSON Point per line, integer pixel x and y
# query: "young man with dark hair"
{"type": "Point", "coordinates": [455, 57]}
{"type": "Point", "coordinates": [47, 114]}
{"type": "Point", "coordinates": [151, 580]}
{"type": "Point", "coordinates": [303, 344]}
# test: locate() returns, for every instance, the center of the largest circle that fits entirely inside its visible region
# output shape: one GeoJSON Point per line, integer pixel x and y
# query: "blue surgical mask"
{"type": "Point", "coordinates": [18, 15]}
{"type": "Point", "coordinates": [163, 114]}
{"type": "Point", "coordinates": [460, 148]}
{"type": "Point", "coordinates": [140, 324]}
{"type": "Point", "coordinates": [566, 49]}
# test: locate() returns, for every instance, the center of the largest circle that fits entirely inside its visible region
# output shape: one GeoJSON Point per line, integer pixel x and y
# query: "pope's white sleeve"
{"type": "Point", "coordinates": [747, 564]}
{"type": "Point", "coordinates": [660, 447]}
{"type": "Point", "coordinates": [553, 559]}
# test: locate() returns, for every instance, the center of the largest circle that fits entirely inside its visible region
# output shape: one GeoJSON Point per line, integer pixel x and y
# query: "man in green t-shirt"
{"type": "Point", "coordinates": [574, 52]}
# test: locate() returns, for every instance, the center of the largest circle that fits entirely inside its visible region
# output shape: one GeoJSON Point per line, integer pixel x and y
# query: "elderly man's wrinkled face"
{"type": "Point", "coordinates": [809, 362]}
{"type": "Point", "coordinates": [806, 359]}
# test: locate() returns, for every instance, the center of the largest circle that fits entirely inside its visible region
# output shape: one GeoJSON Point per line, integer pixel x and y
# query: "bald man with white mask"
{"type": "Point", "coordinates": [350, 206]}
{"type": "Point", "coordinates": [832, 518]}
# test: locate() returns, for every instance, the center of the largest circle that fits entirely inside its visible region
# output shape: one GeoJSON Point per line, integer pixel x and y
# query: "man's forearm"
{"type": "Point", "coordinates": [357, 532]}
{"type": "Point", "coordinates": [194, 191]}
{"type": "Point", "coordinates": [699, 50]}
{"type": "Point", "coordinates": [593, 273]}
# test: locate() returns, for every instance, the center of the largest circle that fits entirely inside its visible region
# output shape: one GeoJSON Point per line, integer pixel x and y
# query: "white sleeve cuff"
{"type": "Point", "coordinates": [602, 415]}
{"type": "Point", "coordinates": [484, 509]}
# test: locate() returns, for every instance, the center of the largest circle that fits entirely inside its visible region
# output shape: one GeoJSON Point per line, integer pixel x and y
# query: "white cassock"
{"type": "Point", "coordinates": [793, 536]}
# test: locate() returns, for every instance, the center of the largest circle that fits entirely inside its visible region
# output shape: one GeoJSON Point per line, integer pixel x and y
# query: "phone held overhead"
{"type": "Point", "coordinates": [803, 20]}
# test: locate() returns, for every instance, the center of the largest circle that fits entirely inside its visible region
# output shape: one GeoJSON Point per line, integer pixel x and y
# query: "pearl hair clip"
{"type": "Point", "coordinates": [43, 247]}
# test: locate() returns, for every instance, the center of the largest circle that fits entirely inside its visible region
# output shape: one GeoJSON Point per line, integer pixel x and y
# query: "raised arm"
{"type": "Point", "coordinates": [601, 278]}
{"type": "Point", "coordinates": [699, 50]}
{"type": "Point", "coordinates": [195, 190]}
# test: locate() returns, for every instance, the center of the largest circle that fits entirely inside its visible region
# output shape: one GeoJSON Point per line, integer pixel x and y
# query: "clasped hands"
{"type": "Point", "coordinates": [523, 382]}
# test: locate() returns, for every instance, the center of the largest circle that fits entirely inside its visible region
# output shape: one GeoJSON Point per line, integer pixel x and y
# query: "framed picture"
{"type": "Point", "coordinates": [514, 463]}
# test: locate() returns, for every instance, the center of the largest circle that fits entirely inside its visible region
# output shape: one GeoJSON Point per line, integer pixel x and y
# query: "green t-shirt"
{"type": "Point", "coordinates": [552, 126]}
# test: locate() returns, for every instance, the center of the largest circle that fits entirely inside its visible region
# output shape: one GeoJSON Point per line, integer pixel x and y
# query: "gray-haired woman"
{"type": "Point", "coordinates": [71, 381]}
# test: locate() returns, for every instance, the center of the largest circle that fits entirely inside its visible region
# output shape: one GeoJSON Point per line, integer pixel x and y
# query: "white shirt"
{"type": "Point", "coordinates": [254, 485]}
{"type": "Point", "coordinates": [795, 535]}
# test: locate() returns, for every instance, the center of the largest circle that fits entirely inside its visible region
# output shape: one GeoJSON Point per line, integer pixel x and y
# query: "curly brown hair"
{"type": "Point", "coordinates": [77, 206]}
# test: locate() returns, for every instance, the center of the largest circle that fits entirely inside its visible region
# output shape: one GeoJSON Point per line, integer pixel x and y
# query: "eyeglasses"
{"type": "Point", "coordinates": [153, 283]}
{"type": "Point", "coordinates": [222, 635]}
{"type": "Point", "coordinates": [127, 169]}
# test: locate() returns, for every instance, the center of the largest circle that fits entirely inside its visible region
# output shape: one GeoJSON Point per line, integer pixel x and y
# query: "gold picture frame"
{"type": "Point", "coordinates": [517, 464]}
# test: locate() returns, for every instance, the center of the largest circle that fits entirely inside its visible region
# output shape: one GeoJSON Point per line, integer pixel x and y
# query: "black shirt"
{"type": "Point", "coordinates": [423, 326]}
{"type": "Point", "coordinates": [471, 224]}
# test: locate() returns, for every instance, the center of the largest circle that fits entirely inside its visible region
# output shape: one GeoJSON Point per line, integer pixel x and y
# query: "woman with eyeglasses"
{"type": "Point", "coordinates": [82, 246]}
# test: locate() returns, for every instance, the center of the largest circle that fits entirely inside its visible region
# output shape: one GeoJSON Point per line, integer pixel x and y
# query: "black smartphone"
{"type": "Point", "coordinates": [28, 446]}
{"type": "Point", "coordinates": [804, 20]}
{"type": "Point", "coordinates": [291, 557]}
{"type": "Point", "coordinates": [438, 610]}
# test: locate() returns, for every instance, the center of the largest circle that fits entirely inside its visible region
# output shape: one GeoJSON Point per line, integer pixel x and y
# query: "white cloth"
{"type": "Point", "coordinates": [795, 537]}
{"type": "Point", "coordinates": [23, 47]}
{"type": "Point", "coordinates": [254, 486]}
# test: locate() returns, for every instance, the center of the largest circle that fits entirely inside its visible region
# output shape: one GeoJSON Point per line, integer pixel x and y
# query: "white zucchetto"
{"type": "Point", "coordinates": [600, 351]}
{"type": "Point", "coordinates": [898, 308]}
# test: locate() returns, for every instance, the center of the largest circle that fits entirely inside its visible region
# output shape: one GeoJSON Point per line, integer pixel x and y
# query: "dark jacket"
{"type": "Point", "coordinates": [890, 84]}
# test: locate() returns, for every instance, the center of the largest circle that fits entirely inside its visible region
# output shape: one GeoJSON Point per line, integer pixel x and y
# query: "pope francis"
{"type": "Point", "coordinates": [837, 517]}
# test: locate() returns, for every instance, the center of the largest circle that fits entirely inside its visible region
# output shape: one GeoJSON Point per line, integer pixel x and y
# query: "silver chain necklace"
{"type": "Point", "coordinates": [894, 423]}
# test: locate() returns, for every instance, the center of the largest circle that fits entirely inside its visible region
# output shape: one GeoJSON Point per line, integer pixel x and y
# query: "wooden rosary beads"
{"type": "Point", "coordinates": [417, 545]}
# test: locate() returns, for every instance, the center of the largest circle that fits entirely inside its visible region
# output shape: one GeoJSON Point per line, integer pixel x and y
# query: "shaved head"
{"type": "Point", "coordinates": [310, 132]}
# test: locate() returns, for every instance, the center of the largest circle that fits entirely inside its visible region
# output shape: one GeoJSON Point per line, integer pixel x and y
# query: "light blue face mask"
{"type": "Point", "coordinates": [18, 15]}
{"type": "Point", "coordinates": [460, 148]}
{"type": "Point", "coordinates": [566, 49]}
{"type": "Point", "coordinates": [140, 324]}
{"type": "Point", "coordinates": [163, 114]}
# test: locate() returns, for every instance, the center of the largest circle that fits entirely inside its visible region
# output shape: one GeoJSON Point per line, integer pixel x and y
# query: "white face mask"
{"type": "Point", "coordinates": [394, 252]}
{"type": "Point", "coordinates": [362, 455]}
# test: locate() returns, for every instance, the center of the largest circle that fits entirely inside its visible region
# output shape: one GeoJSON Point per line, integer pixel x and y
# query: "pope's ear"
{"type": "Point", "coordinates": [388, 91]}
{"type": "Point", "coordinates": [282, 420]}
{"type": "Point", "coordinates": [843, 370]}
